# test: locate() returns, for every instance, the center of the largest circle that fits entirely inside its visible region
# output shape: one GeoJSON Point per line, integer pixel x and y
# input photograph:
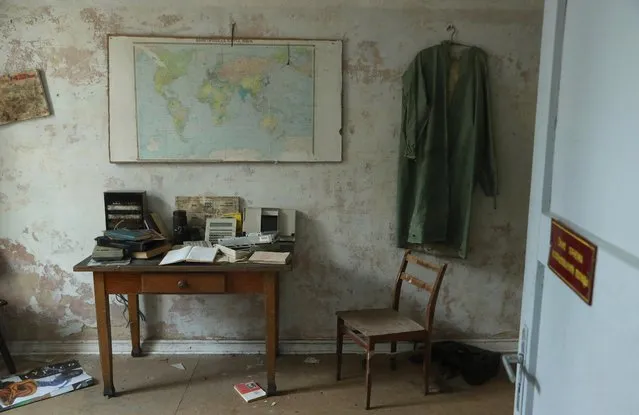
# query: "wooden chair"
{"type": "Point", "coordinates": [370, 327]}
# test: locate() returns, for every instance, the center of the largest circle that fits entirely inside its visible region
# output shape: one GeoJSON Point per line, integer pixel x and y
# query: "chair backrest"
{"type": "Point", "coordinates": [433, 288]}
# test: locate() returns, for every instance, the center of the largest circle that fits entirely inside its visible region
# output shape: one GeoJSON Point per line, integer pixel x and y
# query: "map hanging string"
{"type": "Point", "coordinates": [232, 33]}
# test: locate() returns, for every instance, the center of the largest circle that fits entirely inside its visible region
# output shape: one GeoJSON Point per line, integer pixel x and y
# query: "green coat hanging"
{"type": "Point", "coordinates": [446, 146]}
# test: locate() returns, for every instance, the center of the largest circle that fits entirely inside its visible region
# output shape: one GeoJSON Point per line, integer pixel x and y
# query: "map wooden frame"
{"type": "Point", "coordinates": [327, 134]}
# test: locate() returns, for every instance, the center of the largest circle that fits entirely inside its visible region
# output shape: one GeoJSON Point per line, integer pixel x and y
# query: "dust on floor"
{"type": "Point", "coordinates": [151, 385]}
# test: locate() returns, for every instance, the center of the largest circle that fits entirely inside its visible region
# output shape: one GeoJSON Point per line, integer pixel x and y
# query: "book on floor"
{"type": "Point", "coordinates": [190, 254]}
{"type": "Point", "coordinates": [249, 391]}
{"type": "Point", "coordinates": [42, 383]}
{"type": "Point", "coordinates": [266, 257]}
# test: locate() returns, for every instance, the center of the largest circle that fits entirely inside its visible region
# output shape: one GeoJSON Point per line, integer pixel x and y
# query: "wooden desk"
{"type": "Point", "coordinates": [147, 277]}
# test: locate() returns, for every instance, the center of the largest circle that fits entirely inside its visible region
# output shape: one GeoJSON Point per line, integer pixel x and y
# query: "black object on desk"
{"type": "Point", "coordinates": [180, 228]}
{"type": "Point", "coordinates": [124, 209]}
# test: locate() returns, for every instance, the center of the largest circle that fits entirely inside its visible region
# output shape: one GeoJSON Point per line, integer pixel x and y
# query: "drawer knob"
{"type": "Point", "coordinates": [182, 284]}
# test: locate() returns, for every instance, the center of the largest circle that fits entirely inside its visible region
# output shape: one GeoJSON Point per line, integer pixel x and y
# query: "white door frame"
{"type": "Point", "coordinates": [538, 237]}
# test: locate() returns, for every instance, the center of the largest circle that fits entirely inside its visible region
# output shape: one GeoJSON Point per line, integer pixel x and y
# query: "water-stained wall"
{"type": "Point", "coordinates": [53, 170]}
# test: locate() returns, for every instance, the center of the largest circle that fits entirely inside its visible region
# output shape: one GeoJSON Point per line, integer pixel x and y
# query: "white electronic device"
{"type": "Point", "coordinates": [205, 244]}
{"type": "Point", "coordinates": [235, 242]}
{"type": "Point", "coordinates": [266, 220]}
{"type": "Point", "coordinates": [217, 228]}
{"type": "Point", "coordinates": [251, 239]}
{"type": "Point", "coordinates": [262, 237]}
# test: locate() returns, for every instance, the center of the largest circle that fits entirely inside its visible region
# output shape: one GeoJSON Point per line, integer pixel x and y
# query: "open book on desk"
{"type": "Point", "coordinates": [226, 254]}
{"type": "Point", "coordinates": [190, 254]}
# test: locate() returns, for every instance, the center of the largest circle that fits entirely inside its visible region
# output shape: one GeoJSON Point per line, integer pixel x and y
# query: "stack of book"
{"type": "Point", "coordinates": [265, 257]}
{"type": "Point", "coordinates": [134, 243]}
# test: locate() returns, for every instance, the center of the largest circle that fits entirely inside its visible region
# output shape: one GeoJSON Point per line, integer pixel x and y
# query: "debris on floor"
{"type": "Point", "coordinates": [259, 363]}
{"type": "Point", "coordinates": [42, 383]}
{"type": "Point", "coordinates": [311, 360]}
{"type": "Point", "coordinates": [249, 391]}
{"type": "Point", "coordinates": [178, 366]}
{"type": "Point", "coordinates": [273, 403]}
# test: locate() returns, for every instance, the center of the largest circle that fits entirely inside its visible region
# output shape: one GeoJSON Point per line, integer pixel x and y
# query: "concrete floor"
{"type": "Point", "coordinates": [150, 385]}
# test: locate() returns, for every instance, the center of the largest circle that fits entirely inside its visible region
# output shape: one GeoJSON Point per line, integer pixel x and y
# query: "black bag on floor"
{"type": "Point", "coordinates": [476, 366]}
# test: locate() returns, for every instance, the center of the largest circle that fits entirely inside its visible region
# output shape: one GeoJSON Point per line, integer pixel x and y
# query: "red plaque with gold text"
{"type": "Point", "coordinates": [572, 257]}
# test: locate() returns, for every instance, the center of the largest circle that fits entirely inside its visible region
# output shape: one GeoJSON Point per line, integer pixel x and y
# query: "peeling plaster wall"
{"type": "Point", "coordinates": [53, 170]}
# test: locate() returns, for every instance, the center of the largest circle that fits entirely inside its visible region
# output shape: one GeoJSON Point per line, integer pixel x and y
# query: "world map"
{"type": "Point", "coordinates": [217, 101]}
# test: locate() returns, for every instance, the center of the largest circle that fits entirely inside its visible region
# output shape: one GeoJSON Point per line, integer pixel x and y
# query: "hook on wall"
{"type": "Point", "coordinates": [453, 31]}
{"type": "Point", "coordinates": [232, 33]}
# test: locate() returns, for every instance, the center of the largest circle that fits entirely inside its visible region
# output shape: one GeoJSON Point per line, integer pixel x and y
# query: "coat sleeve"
{"type": "Point", "coordinates": [486, 160]}
{"type": "Point", "coordinates": [415, 109]}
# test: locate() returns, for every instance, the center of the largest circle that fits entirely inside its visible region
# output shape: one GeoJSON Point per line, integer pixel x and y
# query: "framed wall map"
{"type": "Point", "coordinates": [213, 100]}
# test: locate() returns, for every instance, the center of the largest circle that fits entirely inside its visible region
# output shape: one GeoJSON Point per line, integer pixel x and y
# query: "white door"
{"type": "Point", "coordinates": [580, 358]}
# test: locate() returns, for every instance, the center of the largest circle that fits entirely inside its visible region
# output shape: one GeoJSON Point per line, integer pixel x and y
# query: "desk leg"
{"type": "Point", "coordinates": [103, 317]}
{"type": "Point", "coordinates": [270, 303]}
{"type": "Point", "coordinates": [134, 324]}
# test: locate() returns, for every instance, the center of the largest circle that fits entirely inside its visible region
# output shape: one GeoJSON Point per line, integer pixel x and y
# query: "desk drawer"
{"type": "Point", "coordinates": [183, 283]}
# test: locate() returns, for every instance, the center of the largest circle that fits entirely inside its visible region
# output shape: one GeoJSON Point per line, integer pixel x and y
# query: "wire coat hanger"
{"type": "Point", "coordinates": [453, 32]}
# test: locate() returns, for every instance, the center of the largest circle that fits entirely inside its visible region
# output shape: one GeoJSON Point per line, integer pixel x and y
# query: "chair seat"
{"type": "Point", "coordinates": [379, 322]}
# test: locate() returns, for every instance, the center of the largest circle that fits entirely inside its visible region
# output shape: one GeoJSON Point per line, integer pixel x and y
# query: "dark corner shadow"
{"type": "Point", "coordinates": [4, 265]}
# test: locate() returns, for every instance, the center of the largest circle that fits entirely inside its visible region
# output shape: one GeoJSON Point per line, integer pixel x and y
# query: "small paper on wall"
{"type": "Point", "coordinates": [22, 97]}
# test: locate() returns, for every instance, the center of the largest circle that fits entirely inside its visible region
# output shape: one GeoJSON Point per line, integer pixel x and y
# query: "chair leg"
{"type": "Point", "coordinates": [369, 356]}
{"type": "Point", "coordinates": [7, 356]}
{"type": "Point", "coordinates": [339, 346]}
{"type": "Point", "coordinates": [393, 360]}
{"type": "Point", "coordinates": [426, 368]}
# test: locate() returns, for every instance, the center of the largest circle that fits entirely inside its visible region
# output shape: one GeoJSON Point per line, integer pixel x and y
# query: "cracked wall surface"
{"type": "Point", "coordinates": [53, 170]}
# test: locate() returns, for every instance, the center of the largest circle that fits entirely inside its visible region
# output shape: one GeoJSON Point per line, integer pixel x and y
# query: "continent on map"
{"type": "Point", "coordinates": [248, 77]}
{"type": "Point", "coordinates": [217, 94]}
{"type": "Point", "coordinates": [244, 76]}
{"type": "Point", "coordinates": [171, 66]}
